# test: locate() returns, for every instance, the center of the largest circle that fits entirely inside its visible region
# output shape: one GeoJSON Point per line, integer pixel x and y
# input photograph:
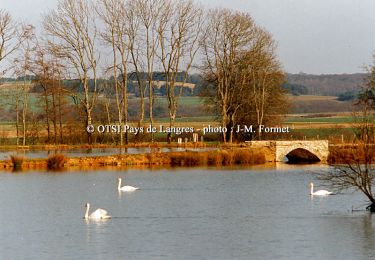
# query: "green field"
{"type": "Point", "coordinates": [332, 120]}
{"type": "Point", "coordinates": [322, 133]}
{"type": "Point", "coordinates": [187, 119]}
{"type": "Point", "coordinates": [183, 101]}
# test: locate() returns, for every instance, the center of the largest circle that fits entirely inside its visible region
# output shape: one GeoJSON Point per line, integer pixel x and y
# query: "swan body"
{"type": "Point", "coordinates": [97, 214]}
{"type": "Point", "coordinates": [319, 192]}
{"type": "Point", "coordinates": [125, 188]}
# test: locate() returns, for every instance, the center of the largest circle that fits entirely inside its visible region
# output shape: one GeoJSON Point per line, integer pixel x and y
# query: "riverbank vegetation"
{"type": "Point", "coordinates": [351, 154]}
{"type": "Point", "coordinates": [17, 162]}
{"type": "Point", "coordinates": [220, 157]}
{"type": "Point", "coordinates": [56, 162]}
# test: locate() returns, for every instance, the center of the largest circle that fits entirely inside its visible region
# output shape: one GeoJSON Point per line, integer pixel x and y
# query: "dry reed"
{"type": "Point", "coordinates": [217, 158]}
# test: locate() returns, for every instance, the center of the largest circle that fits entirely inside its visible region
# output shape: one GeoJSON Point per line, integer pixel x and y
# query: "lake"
{"type": "Point", "coordinates": [237, 213]}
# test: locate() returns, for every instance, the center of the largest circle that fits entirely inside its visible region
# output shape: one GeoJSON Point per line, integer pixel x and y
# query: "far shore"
{"type": "Point", "coordinates": [221, 157]}
{"type": "Point", "coordinates": [130, 145]}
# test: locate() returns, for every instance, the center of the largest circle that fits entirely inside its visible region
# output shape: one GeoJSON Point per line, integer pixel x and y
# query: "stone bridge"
{"type": "Point", "coordinates": [276, 151]}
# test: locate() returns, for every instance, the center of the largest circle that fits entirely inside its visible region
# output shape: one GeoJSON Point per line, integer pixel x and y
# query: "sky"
{"type": "Point", "coordinates": [313, 36]}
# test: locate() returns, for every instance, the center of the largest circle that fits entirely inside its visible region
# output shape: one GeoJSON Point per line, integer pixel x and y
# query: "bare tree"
{"type": "Point", "coordinates": [22, 69]}
{"type": "Point", "coordinates": [47, 71]}
{"type": "Point", "coordinates": [265, 76]}
{"type": "Point", "coordinates": [227, 34]}
{"type": "Point", "coordinates": [354, 167]}
{"type": "Point", "coordinates": [112, 13]}
{"type": "Point", "coordinates": [242, 69]}
{"type": "Point", "coordinates": [148, 12]}
{"type": "Point", "coordinates": [73, 30]}
{"type": "Point", "coordinates": [179, 29]}
{"type": "Point", "coordinates": [135, 48]}
{"type": "Point", "coordinates": [42, 70]}
{"type": "Point", "coordinates": [10, 37]}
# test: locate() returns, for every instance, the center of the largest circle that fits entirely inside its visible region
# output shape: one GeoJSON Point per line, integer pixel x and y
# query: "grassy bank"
{"type": "Point", "coordinates": [222, 157]}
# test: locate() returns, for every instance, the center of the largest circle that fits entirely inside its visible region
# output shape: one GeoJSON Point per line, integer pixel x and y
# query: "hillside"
{"type": "Point", "coordinates": [318, 104]}
{"type": "Point", "coordinates": [327, 84]}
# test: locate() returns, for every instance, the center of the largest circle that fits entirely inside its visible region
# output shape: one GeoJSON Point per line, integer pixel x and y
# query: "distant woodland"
{"type": "Point", "coordinates": [325, 85]}
{"type": "Point", "coordinates": [344, 86]}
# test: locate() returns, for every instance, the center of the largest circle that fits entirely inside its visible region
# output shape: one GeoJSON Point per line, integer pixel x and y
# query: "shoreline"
{"type": "Point", "coordinates": [132, 145]}
{"type": "Point", "coordinates": [220, 157]}
{"type": "Point", "coordinates": [224, 155]}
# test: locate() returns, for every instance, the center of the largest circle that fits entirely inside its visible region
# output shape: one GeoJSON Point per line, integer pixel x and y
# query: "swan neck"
{"type": "Point", "coordinates": [312, 189]}
{"type": "Point", "coordinates": [87, 211]}
{"type": "Point", "coordinates": [119, 183]}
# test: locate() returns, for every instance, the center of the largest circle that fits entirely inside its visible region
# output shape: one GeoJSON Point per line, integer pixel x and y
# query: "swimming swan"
{"type": "Point", "coordinates": [97, 214]}
{"type": "Point", "coordinates": [319, 192]}
{"type": "Point", "coordinates": [125, 188]}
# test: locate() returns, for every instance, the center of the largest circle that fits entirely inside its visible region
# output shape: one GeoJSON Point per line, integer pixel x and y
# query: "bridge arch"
{"type": "Point", "coordinates": [302, 150]}
{"type": "Point", "coordinates": [301, 155]}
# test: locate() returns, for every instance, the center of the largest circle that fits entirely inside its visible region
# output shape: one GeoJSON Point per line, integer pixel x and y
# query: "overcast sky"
{"type": "Point", "coordinates": [313, 36]}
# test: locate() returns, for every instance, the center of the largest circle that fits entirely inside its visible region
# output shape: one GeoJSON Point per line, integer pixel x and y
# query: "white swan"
{"type": "Point", "coordinates": [97, 214]}
{"type": "Point", "coordinates": [125, 188]}
{"type": "Point", "coordinates": [319, 192]}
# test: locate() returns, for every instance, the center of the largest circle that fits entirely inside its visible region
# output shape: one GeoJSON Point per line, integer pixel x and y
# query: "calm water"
{"type": "Point", "coordinates": [181, 214]}
{"type": "Point", "coordinates": [5, 154]}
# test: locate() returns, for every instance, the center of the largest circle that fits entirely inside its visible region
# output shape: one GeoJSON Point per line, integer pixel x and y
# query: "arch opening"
{"type": "Point", "coordinates": [301, 155]}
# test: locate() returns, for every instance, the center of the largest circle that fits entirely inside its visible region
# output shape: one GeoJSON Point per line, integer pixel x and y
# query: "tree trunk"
{"type": "Point", "coordinates": [371, 207]}
{"type": "Point", "coordinates": [24, 111]}
{"type": "Point", "coordinates": [89, 122]}
{"type": "Point", "coordinates": [17, 120]}
{"type": "Point", "coordinates": [46, 109]}
{"type": "Point", "coordinates": [151, 101]}
{"type": "Point", "coordinates": [60, 114]}
{"type": "Point", "coordinates": [54, 121]}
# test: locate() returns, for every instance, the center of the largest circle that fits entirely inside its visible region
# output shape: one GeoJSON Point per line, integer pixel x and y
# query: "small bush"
{"type": "Point", "coordinates": [56, 162]}
{"type": "Point", "coordinates": [17, 161]}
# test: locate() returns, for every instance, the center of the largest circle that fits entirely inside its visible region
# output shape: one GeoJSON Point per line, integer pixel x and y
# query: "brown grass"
{"type": "Point", "coordinates": [222, 157]}
{"type": "Point", "coordinates": [188, 159]}
{"type": "Point", "coordinates": [217, 158]}
{"type": "Point", "coordinates": [351, 154]}
{"type": "Point", "coordinates": [56, 162]}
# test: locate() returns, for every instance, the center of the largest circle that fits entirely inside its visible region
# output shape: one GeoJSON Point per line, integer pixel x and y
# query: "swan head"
{"type": "Point", "coordinates": [87, 205]}
{"type": "Point", "coordinates": [311, 184]}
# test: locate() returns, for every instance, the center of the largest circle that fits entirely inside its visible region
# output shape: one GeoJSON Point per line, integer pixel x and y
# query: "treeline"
{"type": "Point", "coordinates": [85, 47]}
{"type": "Point", "coordinates": [74, 85]}
{"type": "Point", "coordinates": [327, 85]}
{"type": "Point", "coordinates": [295, 89]}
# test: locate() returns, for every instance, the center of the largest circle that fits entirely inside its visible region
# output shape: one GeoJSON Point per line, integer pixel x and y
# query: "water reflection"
{"type": "Point", "coordinates": [367, 238]}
